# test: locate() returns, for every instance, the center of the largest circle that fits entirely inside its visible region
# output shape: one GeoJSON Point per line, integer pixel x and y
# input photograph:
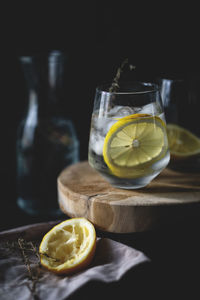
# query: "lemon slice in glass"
{"type": "Point", "coordinates": [69, 246]}
{"type": "Point", "coordinates": [182, 143]}
{"type": "Point", "coordinates": [133, 144]}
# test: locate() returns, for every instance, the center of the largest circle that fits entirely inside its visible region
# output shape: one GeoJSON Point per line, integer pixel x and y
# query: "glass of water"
{"type": "Point", "coordinates": [128, 142]}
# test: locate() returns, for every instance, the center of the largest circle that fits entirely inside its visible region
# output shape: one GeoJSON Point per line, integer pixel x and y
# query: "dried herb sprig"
{"type": "Point", "coordinates": [115, 84]}
{"type": "Point", "coordinates": [24, 255]}
{"type": "Point", "coordinates": [28, 251]}
{"type": "Point", "coordinates": [33, 274]}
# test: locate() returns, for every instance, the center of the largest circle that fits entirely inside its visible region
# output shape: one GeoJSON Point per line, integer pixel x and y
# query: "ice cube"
{"type": "Point", "coordinates": [96, 142]}
{"type": "Point", "coordinates": [151, 109]}
{"type": "Point", "coordinates": [122, 111]}
{"type": "Point", "coordinates": [99, 123]}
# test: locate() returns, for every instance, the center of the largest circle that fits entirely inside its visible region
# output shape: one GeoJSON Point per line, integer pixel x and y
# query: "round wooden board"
{"type": "Point", "coordinates": [82, 192]}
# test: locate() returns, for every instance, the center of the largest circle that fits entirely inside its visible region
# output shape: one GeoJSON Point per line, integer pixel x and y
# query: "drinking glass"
{"type": "Point", "coordinates": [181, 103]}
{"type": "Point", "coordinates": [128, 142]}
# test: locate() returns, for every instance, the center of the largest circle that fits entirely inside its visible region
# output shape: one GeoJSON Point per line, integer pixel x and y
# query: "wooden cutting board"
{"type": "Point", "coordinates": [82, 192]}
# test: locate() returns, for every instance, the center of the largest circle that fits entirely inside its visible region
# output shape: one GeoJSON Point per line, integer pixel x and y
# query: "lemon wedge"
{"type": "Point", "coordinates": [133, 144]}
{"type": "Point", "coordinates": [69, 246]}
{"type": "Point", "coordinates": [182, 143]}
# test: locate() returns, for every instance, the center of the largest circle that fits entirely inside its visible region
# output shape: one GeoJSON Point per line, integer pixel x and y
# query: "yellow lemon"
{"type": "Point", "coordinates": [133, 144]}
{"type": "Point", "coordinates": [69, 246]}
{"type": "Point", "coordinates": [182, 143]}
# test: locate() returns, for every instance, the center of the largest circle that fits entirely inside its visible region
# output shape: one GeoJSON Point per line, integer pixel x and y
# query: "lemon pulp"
{"type": "Point", "coordinates": [182, 143]}
{"type": "Point", "coordinates": [68, 246]}
{"type": "Point", "coordinates": [133, 144]}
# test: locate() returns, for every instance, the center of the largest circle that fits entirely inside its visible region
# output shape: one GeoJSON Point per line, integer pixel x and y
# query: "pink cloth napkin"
{"type": "Point", "coordinates": [17, 281]}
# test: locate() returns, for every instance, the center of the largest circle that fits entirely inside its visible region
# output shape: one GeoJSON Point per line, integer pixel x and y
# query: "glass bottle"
{"type": "Point", "coordinates": [46, 139]}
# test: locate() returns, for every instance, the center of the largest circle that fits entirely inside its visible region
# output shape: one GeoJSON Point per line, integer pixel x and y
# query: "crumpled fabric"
{"type": "Point", "coordinates": [111, 261]}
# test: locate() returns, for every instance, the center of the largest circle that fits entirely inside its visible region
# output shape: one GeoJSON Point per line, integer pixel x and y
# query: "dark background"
{"type": "Point", "coordinates": [161, 40]}
{"type": "Point", "coordinates": [96, 36]}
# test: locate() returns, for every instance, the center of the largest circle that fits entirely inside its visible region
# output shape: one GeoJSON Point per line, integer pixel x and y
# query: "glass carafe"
{"type": "Point", "coordinates": [46, 140]}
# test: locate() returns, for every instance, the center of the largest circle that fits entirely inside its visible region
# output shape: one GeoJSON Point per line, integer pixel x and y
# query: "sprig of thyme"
{"type": "Point", "coordinates": [115, 84]}
{"type": "Point", "coordinates": [34, 275]}
{"type": "Point", "coordinates": [28, 250]}
{"type": "Point", "coordinates": [24, 255]}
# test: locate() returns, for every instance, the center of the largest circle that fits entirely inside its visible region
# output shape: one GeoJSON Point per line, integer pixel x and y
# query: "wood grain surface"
{"type": "Point", "coordinates": [82, 192]}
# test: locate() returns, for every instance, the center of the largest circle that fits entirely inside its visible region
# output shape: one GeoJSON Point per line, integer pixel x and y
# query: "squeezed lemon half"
{"type": "Point", "coordinates": [69, 246]}
{"type": "Point", "coordinates": [133, 144]}
{"type": "Point", "coordinates": [182, 143]}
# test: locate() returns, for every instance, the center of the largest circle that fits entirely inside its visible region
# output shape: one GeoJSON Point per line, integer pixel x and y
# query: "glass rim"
{"type": "Point", "coordinates": [170, 78]}
{"type": "Point", "coordinates": [53, 56]}
{"type": "Point", "coordinates": [153, 87]}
